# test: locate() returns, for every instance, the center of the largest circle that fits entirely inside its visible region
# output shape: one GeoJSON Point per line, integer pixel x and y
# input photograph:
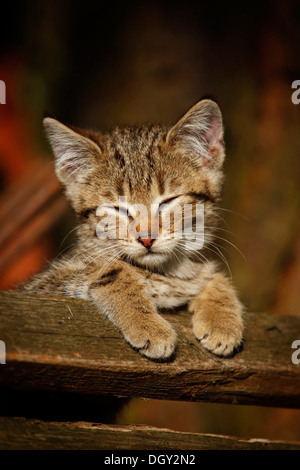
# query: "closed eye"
{"type": "Point", "coordinates": [85, 214]}
{"type": "Point", "coordinates": [166, 201]}
{"type": "Point", "coordinates": [123, 211]}
{"type": "Point", "coordinates": [202, 197]}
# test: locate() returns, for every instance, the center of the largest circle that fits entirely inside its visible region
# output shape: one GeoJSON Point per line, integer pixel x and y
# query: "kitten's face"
{"type": "Point", "coordinates": [141, 193]}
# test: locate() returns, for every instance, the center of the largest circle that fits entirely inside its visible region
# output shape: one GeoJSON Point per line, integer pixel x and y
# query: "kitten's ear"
{"type": "Point", "coordinates": [199, 134]}
{"type": "Point", "coordinates": [74, 153]}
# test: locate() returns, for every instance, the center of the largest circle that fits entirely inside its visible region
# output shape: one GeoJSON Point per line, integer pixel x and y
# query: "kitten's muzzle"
{"type": "Point", "coordinates": [146, 242]}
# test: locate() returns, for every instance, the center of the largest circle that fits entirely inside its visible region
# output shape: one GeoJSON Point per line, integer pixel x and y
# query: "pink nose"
{"type": "Point", "coordinates": [147, 242]}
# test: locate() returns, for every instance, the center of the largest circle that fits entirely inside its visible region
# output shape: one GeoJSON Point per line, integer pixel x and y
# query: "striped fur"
{"type": "Point", "coordinates": [126, 281]}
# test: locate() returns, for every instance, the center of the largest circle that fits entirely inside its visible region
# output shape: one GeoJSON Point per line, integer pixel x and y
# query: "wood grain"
{"type": "Point", "coordinates": [63, 344]}
{"type": "Point", "coordinates": [28, 211]}
{"type": "Point", "coordinates": [20, 434]}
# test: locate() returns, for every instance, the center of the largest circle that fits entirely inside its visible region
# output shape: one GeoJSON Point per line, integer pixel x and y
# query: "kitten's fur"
{"type": "Point", "coordinates": [125, 282]}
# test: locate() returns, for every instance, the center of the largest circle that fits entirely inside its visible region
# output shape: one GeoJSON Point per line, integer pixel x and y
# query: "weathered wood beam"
{"type": "Point", "coordinates": [22, 434]}
{"type": "Point", "coordinates": [28, 210]}
{"type": "Point", "coordinates": [63, 344]}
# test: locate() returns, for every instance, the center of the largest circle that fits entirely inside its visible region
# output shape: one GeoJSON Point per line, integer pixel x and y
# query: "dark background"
{"type": "Point", "coordinates": [100, 64]}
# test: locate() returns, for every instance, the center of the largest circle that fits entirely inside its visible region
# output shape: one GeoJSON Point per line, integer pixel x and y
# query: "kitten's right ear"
{"type": "Point", "coordinates": [74, 153]}
{"type": "Point", "coordinates": [199, 134]}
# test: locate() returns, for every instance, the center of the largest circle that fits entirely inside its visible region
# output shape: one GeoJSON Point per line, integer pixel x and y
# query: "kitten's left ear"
{"type": "Point", "coordinates": [199, 134]}
{"type": "Point", "coordinates": [74, 153]}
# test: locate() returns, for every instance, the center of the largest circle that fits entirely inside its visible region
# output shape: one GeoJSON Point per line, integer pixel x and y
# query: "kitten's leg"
{"type": "Point", "coordinates": [122, 297]}
{"type": "Point", "coordinates": [217, 317]}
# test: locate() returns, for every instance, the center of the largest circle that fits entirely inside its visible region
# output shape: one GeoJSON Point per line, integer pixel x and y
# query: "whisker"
{"type": "Point", "coordinates": [222, 256]}
{"type": "Point", "coordinates": [232, 212]}
{"type": "Point", "coordinates": [109, 262]}
{"type": "Point", "coordinates": [68, 234]}
{"type": "Point", "coordinates": [232, 244]}
{"type": "Point", "coordinates": [198, 254]}
{"type": "Point", "coordinates": [65, 249]}
{"type": "Point", "coordinates": [100, 253]}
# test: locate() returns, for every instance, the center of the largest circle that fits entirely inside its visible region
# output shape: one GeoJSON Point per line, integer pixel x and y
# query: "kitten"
{"type": "Point", "coordinates": [130, 278]}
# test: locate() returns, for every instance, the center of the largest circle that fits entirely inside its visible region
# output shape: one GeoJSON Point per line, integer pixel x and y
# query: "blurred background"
{"type": "Point", "coordinates": [101, 64]}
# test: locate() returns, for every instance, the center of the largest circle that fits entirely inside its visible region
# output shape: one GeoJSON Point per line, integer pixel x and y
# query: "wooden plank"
{"type": "Point", "coordinates": [22, 434]}
{"type": "Point", "coordinates": [28, 211]}
{"type": "Point", "coordinates": [27, 200]}
{"type": "Point", "coordinates": [63, 344]}
{"type": "Point", "coordinates": [33, 231]}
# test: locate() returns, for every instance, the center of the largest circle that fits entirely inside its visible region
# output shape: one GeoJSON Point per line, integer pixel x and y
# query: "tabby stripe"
{"type": "Point", "coordinates": [120, 188]}
{"type": "Point", "coordinates": [160, 183]}
{"type": "Point", "coordinates": [202, 197]}
{"type": "Point", "coordinates": [84, 214]}
{"type": "Point", "coordinates": [107, 278]}
{"type": "Point", "coordinates": [119, 158]}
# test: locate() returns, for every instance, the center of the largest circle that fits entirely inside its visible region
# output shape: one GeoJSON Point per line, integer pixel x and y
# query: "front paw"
{"type": "Point", "coordinates": [154, 338]}
{"type": "Point", "coordinates": [219, 332]}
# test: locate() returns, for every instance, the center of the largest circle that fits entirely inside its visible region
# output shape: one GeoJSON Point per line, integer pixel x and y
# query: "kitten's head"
{"type": "Point", "coordinates": [136, 190]}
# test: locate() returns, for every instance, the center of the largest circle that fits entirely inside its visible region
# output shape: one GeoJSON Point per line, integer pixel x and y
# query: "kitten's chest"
{"type": "Point", "coordinates": [170, 293]}
{"type": "Point", "coordinates": [173, 291]}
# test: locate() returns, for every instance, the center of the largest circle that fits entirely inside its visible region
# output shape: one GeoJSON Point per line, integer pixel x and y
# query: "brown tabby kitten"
{"type": "Point", "coordinates": [130, 278]}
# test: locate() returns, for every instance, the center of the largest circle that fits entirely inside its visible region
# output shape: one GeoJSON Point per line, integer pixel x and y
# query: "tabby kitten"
{"type": "Point", "coordinates": [130, 278]}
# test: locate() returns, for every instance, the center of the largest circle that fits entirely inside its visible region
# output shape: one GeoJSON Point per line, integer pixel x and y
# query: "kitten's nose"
{"type": "Point", "coordinates": [147, 242]}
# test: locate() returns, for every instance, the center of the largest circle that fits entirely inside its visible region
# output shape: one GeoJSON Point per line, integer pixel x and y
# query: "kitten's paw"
{"type": "Point", "coordinates": [220, 338]}
{"type": "Point", "coordinates": [156, 339]}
